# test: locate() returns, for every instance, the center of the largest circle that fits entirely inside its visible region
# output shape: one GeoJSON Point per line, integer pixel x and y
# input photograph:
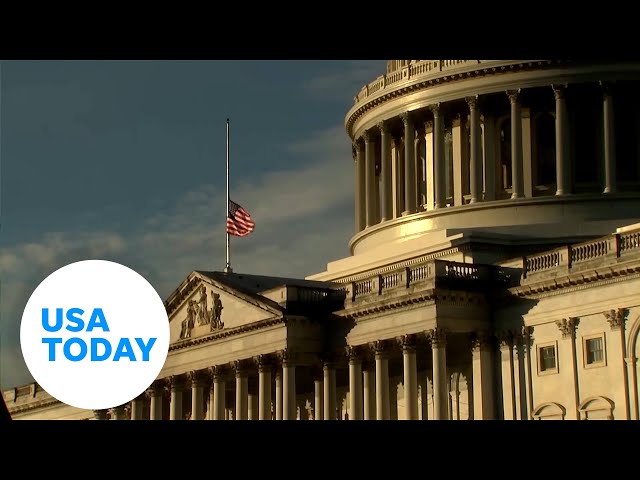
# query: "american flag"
{"type": "Point", "coordinates": [239, 221]}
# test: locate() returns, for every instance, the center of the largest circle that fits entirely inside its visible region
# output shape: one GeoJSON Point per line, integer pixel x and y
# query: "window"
{"type": "Point", "coordinates": [594, 350]}
{"type": "Point", "coordinates": [547, 358]}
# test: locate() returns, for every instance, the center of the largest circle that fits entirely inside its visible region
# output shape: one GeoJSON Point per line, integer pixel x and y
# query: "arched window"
{"type": "Point", "coordinates": [549, 411]}
{"type": "Point", "coordinates": [597, 408]}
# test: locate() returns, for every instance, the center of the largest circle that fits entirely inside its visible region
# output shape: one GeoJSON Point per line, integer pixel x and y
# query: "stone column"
{"type": "Point", "coordinates": [101, 414]}
{"type": "Point", "coordinates": [219, 390]}
{"type": "Point", "coordinates": [355, 384]}
{"type": "Point", "coordinates": [609, 140]}
{"type": "Point", "coordinates": [410, 197]}
{"type": "Point", "coordinates": [360, 199]}
{"type": "Point", "coordinates": [386, 203]}
{"type": "Point", "coordinates": [197, 379]}
{"type": "Point", "coordinates": [562, 167]}
{"type": "Point", "coordinates": [318, 391]}
{"type": "Point", "coordinates": [429, 175]}
{"type": "Point", "coordinates": [508, 377]}
{"type": "Point", "coordinates": [137, 407]}
{"type": "Point", "coordinates": [370, 176]}
{"type": "Point", "coordinates": [460, 144]}
{"type": "Point", "coordinates": [176, 384]}
{"type": "Point", "coordinates": [329, 372]}
{"type": "Point", "coordinates": [288, 386]}
{"type": "Point", "coordinates": [383, 409]}
{"type": "Point", "coordinates": [279, 393]}
{"type": "Point", "coordinates": [118, 413]}
{"type": "Point", "coordinates": [437, 337]}
{"type": "Point", "coordinates": [253, 405]}
{"type": "Point", "coordinates": [408, 344]}
{"type": "Point", "coordinates": [369, 392]}
{"type": "Point", "coordinates": [527, 340]}
{"type": "Point", "coordinates": [155, 393]}
{"type": "Point", "coordinates": [398, 176]}
{"type": "Point", "coordinates": [475, 159]}
{"type": "Point", "coordinates": [517, 180]}
{"type": "Point", "coordinates": [423, 411]}
{"type": "Point", "coordinates": [439, 164]}
{"type": "Point", "coordinates": [264, 388]}
{"type": "Point", "coordinates": [617, 319]}
{"type": "Point", "coordinates": [520, 381]}
{"type": "Point", "coordinates": [483, 378]}
{"type": "Point", "coordinates": [568, 328]}
{"type": "Point", "coordinates": [242, 390]}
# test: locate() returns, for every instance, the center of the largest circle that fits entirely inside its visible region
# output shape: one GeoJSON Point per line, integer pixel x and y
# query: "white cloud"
{"type": "Point", "coordinates": [303, 216]}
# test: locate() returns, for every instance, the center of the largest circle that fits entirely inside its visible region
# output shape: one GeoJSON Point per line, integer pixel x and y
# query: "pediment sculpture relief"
{"type": "Point", "coordinates": [199, 312]}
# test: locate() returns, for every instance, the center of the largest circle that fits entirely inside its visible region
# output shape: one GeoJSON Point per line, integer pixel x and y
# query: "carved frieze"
{"type": "Point", "coordinates": [198, 314]}
{"type": "Point", "coordinates": [216, 322]}
{"type": "Point", "coordinates": [189, 322]}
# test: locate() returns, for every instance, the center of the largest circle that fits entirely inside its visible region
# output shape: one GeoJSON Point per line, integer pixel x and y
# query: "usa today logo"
{"type": "Point", "coordinates": [94, 334]}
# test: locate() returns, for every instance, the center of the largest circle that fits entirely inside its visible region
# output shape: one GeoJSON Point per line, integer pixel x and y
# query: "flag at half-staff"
{"type": "Point", "coordinates": [239, 222]}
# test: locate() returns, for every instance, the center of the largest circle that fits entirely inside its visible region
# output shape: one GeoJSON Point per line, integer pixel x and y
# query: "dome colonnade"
{"type": "Point", "coordinates": [434, 135]}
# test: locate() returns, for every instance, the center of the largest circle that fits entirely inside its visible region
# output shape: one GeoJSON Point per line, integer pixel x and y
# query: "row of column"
{"type": "Point", "coordinates": [368, 193]}
{"type": "Point", "coordinates": [369, 389]}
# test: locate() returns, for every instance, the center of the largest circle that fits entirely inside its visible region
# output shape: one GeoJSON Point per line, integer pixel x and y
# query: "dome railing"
{"type": "Point", "coordinates": [430, 69]}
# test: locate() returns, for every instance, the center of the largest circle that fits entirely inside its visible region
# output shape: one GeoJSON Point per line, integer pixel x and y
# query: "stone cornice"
{"type": "Point", "coordinates": [416, 299]}
{"type": "Point", "coordinates": [571, 283]}
{"type": "Point", "coordinates": [440, 78]}
{"type": "Point", "coordinates": [36, 405]}
{"type": "Point", "coordinates": [226, 333]}
{"type": "Point", "coordinates": [392, 88]}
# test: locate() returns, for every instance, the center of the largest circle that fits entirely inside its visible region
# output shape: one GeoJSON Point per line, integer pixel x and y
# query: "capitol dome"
{"type": "Point", "coordinates": [533, 151]}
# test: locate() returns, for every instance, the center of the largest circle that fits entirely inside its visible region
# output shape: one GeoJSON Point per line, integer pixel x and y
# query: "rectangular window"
{"type": "Point", "coordinates": [547, 358]}
{"type": "Point", "coordinates": [595, 351]}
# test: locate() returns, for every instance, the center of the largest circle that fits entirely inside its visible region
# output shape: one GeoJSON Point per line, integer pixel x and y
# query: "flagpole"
{"type": "Point", "coordinates": [227, 267]}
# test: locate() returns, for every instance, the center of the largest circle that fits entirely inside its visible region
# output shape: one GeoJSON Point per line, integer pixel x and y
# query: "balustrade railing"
{"type": "Point", "coordinates": [424, 69]}
{"type": "Point", "coordinates": [563, 258]}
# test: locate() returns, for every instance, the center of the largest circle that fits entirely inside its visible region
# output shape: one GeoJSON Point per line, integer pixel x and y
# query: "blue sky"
{"type": "Point", "coordinates": [125, 161]}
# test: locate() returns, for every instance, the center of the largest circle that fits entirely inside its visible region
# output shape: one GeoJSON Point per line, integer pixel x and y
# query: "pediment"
{"type": "Point", "coordinates": [202, 306]}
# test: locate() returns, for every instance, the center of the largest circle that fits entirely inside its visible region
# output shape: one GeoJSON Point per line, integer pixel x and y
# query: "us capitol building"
{"type": "Point", "coordinates": [494, 269]}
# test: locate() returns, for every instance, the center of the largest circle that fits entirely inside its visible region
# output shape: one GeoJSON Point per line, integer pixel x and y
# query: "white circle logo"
{"type": "Point", "coordinates": [94, 334]}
